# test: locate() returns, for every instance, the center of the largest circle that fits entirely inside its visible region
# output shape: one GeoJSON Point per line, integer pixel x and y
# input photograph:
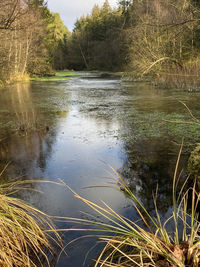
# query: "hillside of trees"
{"type": "Point", "coordinates": [158, 37]}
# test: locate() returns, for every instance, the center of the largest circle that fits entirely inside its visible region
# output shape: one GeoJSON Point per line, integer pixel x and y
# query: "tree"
{"type": "Point", "coordinates": [96, 40]}
{"type": "Point", "coordinates": [22, 25]}
{"type": "Point", "coordinates": [163, 36]}
{"type": "Point", "coordinates": [57, 39]}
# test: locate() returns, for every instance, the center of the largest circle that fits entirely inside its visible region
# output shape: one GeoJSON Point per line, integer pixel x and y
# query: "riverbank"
{"type": "Point", "coordinates": [185, 77]}
{"type": "Point", "coordinates": [14, 79]}
{"type": "Point", "coordinates": [56, 76]}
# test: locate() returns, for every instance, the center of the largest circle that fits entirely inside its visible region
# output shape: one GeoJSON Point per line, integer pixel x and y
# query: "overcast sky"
{"type": "Point", "coordinates": [70, 10]}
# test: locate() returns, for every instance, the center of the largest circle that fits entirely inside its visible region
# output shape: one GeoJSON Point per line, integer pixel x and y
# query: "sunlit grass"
{"type": "Point", "coordinates": [129, 244]}
{"type": "Point", "coordinates": [67, 73]}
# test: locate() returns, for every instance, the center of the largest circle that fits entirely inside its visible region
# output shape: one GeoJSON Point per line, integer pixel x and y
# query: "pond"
{"type": "Point", "coordinates": [74, 129]}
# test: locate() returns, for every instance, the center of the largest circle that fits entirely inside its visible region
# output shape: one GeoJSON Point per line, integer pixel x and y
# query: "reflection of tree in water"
{"type": "Point", "coordinates": [30, 146]}
{"type": "Point", "coordinates": [22, 106]}
{"type": "Point", "coordinates": [150, 163]}
{"type": "Point", "coordinates": [26, 153]}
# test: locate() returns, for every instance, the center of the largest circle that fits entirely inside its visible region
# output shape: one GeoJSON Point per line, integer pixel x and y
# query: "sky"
{"type": "Point", "coordinates": [70, 10]}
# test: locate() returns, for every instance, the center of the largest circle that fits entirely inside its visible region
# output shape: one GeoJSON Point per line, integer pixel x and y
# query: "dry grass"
{"type": "Point", "coordinates": [24, 238]}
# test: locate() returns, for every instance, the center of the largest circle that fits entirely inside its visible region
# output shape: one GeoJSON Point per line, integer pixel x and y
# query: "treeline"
{"type": "Point", "coordinates": [97, 41]}
{"type": "Point", "coordinates": [159, 37]}
{"type": "Point", "coordinates": [141, 36]}
{"type": "Point", "coordinates": [32, 40]}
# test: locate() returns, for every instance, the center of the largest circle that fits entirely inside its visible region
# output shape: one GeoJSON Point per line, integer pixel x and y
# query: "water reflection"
{"type": "Point", "coordinates": [71, 127]}
{"type": "Point", "coordinates": [22, 106]}
{"type": "Point", "coordinates": [26, 142]}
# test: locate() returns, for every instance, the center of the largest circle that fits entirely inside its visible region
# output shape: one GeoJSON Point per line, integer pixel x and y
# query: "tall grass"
{"type": "Point", "coordinates": [129, 244]}
{"type": "Point", "coordinates": [24, 238]}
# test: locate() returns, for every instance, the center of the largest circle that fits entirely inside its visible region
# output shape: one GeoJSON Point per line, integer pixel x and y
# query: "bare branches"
{"type": "Point", "coordinates": [164, 35]}
{"type": "Point", "coordinates": [11, 11]}
{"type": "Point", "coordinates": [171, 25]}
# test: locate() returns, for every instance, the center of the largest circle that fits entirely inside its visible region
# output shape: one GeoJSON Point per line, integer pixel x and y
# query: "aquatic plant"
{"type": "Point", "coordinates": [24, 231]}
{"type": "Point", "coordinates": [129, 244]}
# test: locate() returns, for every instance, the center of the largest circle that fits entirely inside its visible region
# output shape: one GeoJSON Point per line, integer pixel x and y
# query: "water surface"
{"type": "Point", "coordinates": [71, 130]}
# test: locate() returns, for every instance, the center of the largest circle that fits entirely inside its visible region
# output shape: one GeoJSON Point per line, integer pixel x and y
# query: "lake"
{"type": "Point", "coordinates": [73, 130]}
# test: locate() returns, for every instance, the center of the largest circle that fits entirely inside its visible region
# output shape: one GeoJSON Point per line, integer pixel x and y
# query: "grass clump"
{"type": "Point", "coordinates": [129, 244]}
{"type": "Point", "coordinates": [23, 231]}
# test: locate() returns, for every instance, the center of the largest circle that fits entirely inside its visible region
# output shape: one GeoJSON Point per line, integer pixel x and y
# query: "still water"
{"type": "Point", "coordinates": [72, 130]}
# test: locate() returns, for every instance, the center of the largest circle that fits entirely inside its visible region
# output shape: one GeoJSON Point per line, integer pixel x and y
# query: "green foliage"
{"type": "Point", "coordinates": [96, 39]}
{"type": "Point", "coordinates": [57, 39]}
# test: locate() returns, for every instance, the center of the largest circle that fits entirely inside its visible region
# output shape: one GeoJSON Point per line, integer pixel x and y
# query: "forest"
{"type": "Point", "coordinates": [33, 40]}
{"type": "Point", "coordinates": [150, 37]}
{"type": "Point", "coordinates": [100, 135]}
{"type": "Point", "coordinates": [155, 37]}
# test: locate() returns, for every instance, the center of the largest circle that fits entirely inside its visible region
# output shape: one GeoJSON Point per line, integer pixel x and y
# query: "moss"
{"type": "Point", "coordinates": [194, 162]}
